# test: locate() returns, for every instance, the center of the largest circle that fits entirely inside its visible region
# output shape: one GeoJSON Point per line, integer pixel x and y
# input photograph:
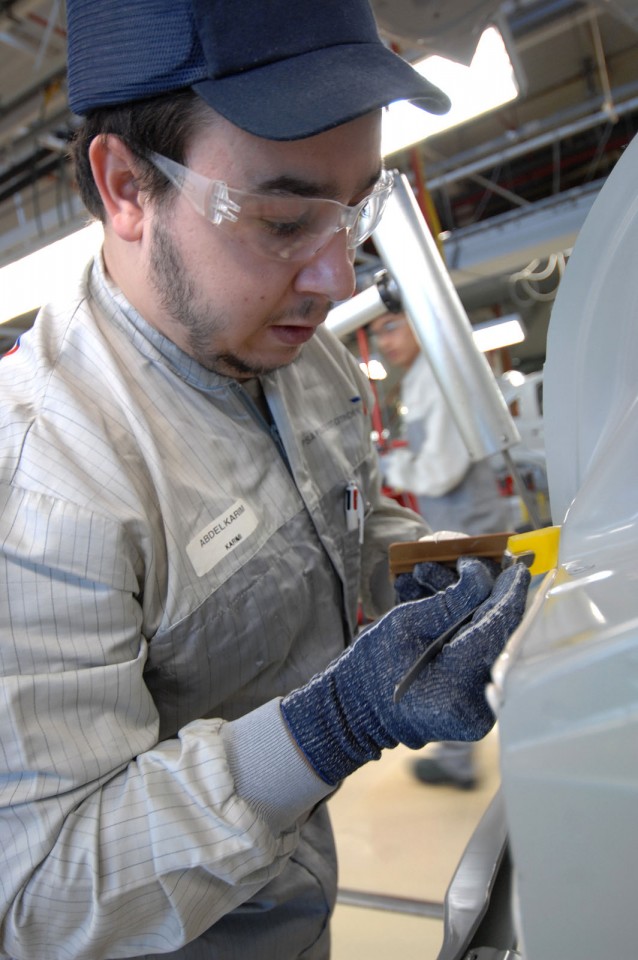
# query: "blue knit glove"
{"type": "Point", "coordinates": [428, 578]}
{"type": "Point", "coordinates": [345, 716]}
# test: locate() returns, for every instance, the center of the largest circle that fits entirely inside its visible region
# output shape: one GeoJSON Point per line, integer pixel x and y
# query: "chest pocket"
{"type": "Point", "coordinates": [337, 456]}
{"type": "Point", "coordinates": [266, 629]}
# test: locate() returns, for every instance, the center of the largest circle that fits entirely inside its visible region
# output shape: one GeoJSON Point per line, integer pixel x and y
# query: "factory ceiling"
{"type": "Point", "coordinates": [507, 193]}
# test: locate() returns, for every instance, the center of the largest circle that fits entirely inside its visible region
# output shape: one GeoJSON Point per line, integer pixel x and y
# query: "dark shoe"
{"type": "Point", "coordinates": [431, 772]}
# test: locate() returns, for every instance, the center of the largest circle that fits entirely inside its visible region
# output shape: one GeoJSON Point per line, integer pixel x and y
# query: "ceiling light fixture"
{"type": "Point", "coordinates": [498, 333]}
{"type": "Point", "coordinates": [489, 82]}
{"type": "Point", "coordinates": [374, 370]}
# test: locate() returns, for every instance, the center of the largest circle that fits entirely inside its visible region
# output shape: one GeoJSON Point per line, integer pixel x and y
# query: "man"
{"type": "Point", "coordinates": [453, 492]}
{"type": "Point", "coordinates": [185, 450]}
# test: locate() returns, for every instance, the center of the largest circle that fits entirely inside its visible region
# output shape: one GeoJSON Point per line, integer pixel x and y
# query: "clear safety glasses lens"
{"type": "Point", "coordinates": [280, 227]}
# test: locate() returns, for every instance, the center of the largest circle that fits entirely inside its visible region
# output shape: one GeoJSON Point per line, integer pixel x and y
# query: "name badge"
{"type": "Point", "coordinates": [221, 536]}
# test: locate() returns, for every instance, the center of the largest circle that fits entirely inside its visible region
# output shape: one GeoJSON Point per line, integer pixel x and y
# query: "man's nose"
{"type": "Point", "coordinates": [330, 272]}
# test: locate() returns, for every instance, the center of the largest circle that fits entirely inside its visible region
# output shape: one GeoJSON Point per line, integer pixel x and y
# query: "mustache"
{"type": "Point", "coordinates": [310, 310]}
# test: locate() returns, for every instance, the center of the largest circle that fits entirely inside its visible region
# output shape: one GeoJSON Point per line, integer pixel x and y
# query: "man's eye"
{"type": "Point", "coordinates": [284, 228]}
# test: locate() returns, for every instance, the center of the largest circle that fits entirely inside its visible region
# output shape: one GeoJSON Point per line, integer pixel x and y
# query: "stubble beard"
{"type": "Point", "coordinates": [179, 298]}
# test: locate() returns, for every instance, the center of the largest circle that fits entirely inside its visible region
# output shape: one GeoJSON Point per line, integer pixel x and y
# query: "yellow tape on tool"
{"type": "Point", "coordinates": [538, 549]}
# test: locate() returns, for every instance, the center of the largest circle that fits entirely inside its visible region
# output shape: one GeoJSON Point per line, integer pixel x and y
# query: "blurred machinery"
{"type": "Point", "coordinates": [420, 283]}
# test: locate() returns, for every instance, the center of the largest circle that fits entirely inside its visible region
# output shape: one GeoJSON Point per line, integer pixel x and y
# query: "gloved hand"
{"type": "Point", "coordinates": [428, 578]}
{"type": "Point", "coordinates": [345, 715]}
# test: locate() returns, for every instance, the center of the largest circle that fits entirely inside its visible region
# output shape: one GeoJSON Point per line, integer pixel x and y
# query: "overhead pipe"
{"type": "Point", "coordinates": [523, 146]}
{"type": "Point", "coordinates": [379, 298]}
{"type": "Point", "coordinates": [603, 72]}
{"type": "Point", "coordinates": [536, 16]}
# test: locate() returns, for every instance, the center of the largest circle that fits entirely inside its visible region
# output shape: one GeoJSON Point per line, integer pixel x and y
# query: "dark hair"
{"type": "Point", "coordinates": [165, 124]}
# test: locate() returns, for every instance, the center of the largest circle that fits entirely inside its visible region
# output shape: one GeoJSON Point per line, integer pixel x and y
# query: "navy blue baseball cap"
{"type": "Point", "coordinates": [279, 69]}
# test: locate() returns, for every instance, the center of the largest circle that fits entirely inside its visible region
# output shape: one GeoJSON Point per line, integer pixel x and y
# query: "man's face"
{"type": "Point", "coordinates": [396, 341]}
{"type": "Point", "coordinates": [228, 306]}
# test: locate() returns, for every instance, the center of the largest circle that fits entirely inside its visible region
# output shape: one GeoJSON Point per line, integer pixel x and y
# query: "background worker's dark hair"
{"type": "Point", "coordinates": [165, 124]}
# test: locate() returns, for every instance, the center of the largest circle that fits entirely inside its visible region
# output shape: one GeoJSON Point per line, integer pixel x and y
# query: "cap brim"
{"type": "Point", "coordinates": [306, 95]}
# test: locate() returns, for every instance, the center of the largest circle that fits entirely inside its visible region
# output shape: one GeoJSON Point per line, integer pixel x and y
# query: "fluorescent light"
{"type": "Point", "coordinates": [495, 334]}
{"type": "Point", "coordinates": [513, 378]}
{"type": "Point", "coordinates": [487, 83]}
{"type": "Point", "coordinates": [43, 275]}
{"type": "Point", "coordinates": [374, 370]}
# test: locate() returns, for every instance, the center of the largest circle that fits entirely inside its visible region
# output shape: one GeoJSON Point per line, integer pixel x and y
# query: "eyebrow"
{"type": "Point", "coordinates": [286, 184]}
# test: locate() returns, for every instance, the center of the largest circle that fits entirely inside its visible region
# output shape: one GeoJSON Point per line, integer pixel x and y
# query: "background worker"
{"type": "Point", "coordinates": [453, 492]}
{"type": "Point", "coordinates": [181, 687]}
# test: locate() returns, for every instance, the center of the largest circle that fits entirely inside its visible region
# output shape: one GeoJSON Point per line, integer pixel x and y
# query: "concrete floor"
{"type": "Point", "coordinates": [400, 838]}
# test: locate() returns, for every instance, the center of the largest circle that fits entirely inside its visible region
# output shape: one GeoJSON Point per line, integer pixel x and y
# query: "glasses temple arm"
{"type": "Point", "coordinates": [209, 197]}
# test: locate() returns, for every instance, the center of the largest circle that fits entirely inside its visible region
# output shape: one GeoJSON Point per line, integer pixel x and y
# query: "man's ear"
{"type": "Point", "coordinates": [113, 167]}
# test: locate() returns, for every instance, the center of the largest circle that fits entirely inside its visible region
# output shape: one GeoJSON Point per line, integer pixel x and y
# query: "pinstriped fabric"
{"type": "Point", "coordinates": [120, 828]}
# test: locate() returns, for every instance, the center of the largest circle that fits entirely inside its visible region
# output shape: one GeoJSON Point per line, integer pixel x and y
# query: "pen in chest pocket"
{"type": "Point", "coordinates": [355, 509]}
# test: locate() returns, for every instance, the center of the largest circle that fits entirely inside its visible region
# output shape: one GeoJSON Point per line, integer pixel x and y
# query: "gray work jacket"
{"type": "Point", "coordinates": [174, 562]}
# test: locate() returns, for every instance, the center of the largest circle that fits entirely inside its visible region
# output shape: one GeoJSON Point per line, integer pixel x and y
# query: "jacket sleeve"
{"type": "Point", "coordinates": [115, 844]}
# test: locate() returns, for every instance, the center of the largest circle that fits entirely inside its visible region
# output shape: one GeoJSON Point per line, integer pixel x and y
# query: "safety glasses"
{"type": "Point", "coordinates": [281, 227]}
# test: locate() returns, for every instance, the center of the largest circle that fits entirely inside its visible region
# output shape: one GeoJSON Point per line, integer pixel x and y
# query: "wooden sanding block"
{"type": "Point", "coordinates": [403, 556]}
